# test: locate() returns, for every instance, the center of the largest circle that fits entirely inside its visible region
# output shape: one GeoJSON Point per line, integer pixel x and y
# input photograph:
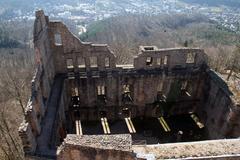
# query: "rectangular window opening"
{"type": "Point", "coordinates": [107, 62]}
{"type": "Point", "coordinates": [159, 61]}
{"type": "Point", "coordinates": [165, 61]}
{"type": "Point", "coordinates": [149, 61]}
{"type": "Point", "coordinates": [93, 62]}
{"type": "Point", "coordinates": [149, 48]}
{"type": "Point", "coordinates": [100, 90]}
{"type": "Point", "coordinates": [190, 58]}
{"type": "Point", "coordinates": [103, 90]}
{"type": "Point", "coordinates": [74, 91]}
{"type": "Point", "coordinates": [126, 88]}
{"type": "Point", "coordinates": [69, 64]}
{"type": "Point", "coordinates": [81, 62]}
{"type": "Point", "coordinates": [127, 94]}
{"type": "Point", "coordinates": [58, 39]}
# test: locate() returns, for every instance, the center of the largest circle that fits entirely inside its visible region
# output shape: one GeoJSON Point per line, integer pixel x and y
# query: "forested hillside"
{"type": "Point", "coordinates": [125, 33]}
{"type": "Point", "coordinates": [15, 34]}
{"type": "Point", "coordinates": [230, 3]}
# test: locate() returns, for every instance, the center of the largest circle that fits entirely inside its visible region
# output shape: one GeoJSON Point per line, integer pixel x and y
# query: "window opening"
{"type": "Point", "coordinates": [81, 62]}
{"type": "Point", "coordinates": [165, 62]}
{"type": "Point", "coordinates": [93, 62]}
{"type": "Point", "coordinates": [100, 90]}
{"type": "Point", "coordinates": [58, 39]}
{"type": "Point", "coordinates": [107, 62]}
{"type": "Point", "coordinates": [127, 94]}
{"type": "Point", "coordinates": [190, 58]}
{"type": "Point", "coordinates": [149, 48]}
{"type": "Point", "coordinates": [149, 61]}
{"type": "Point", "coordinates": [126, 88]}
{"type": "Point", "coordinates": [69, 63]}
{"type": "Point", "coordinates": [159, 61]}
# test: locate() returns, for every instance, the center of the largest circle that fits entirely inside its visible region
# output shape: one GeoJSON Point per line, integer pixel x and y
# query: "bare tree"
{"type": "Point", "coordinates": [10, 143]}
{"type": "Point", "coordinates": [16, 72]}
{"type": "Point", "coordinates": [235, 62]}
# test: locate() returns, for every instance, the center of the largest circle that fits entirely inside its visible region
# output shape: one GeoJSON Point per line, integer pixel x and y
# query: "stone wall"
{"type": "Point", "coordinates": [41, 85]}
{"type": "Point", "coordinates": [203, 150]}
{"type": "Point", "coordinates": [178, 80]}
{"type": "Point", "coordinates": [90, 66]}
{"type": "Point", "coordinates": [72, 49]}
{"type": "Point", "coordinates": [219, 111]}
{"type": "Point", "coordinates": [96, 147]}
{"type": "Point", "coordinates": [150, 57]}
{"type": "Point", "coordinates": [144, 88]}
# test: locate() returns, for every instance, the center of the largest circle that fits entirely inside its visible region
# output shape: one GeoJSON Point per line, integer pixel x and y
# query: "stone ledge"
{"type": "Point", "coordinates": [97, 147]}
{"type": "Point", "coordinates": [121, 142]}
{"type": "Point", "coordinates": [193, 150]}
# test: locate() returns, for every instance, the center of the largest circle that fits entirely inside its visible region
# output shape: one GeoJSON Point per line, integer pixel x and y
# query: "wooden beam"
{"type": "Point", "coordinates": [164, 124]}
{"type": "Point", "coordinates": [104, 126]}
{"type": "Point", "coordinates": [130, 125]}
{"type": "Point", "coordinates": [78, 127]}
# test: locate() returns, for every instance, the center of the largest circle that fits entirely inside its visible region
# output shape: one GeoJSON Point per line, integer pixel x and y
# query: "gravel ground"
{"type": "Point", "coordinates": [116, 142]}
{"type": "Point", "coordinates": [193, 149]}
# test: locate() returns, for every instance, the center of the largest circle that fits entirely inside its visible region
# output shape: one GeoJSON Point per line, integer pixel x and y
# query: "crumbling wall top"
{"type": "Point", "coordinates": [121, 142]}
{"type": "Point", "coordinates": [96, 147]}
{"type": "Point", "coordinates": [40, 23]}
{"type": "Point", "coordinates": [150, 57]}
{"type": "Point", "coordinates": [214, 149]}
{"type": "Point", "coordinates": [71, 54]}
{"type": "Point", "coordinates": [149, 49]}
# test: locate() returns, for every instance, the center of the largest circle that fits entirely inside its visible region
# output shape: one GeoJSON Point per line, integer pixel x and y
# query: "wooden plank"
{"type": "Point", "coordinates": [132, 126]}
{"type": "Point", "coordinates": [78, 127]}
{"type": "Point", "coordinates": [128, 125]}
{"type": "Point", "coordinates": [164, 124]}
{"type": "Point", "coordinates": [188, 94]}
{"type": "Point", "coordinates": [163, 120]}
{"type": "Point", "coordinates": [107, 126]}
{"type": "Point", "coordinates": [104, 126]}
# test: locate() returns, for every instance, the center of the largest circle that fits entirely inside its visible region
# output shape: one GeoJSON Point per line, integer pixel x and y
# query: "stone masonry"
{"type": "Point", "coordinates": [178, 79]}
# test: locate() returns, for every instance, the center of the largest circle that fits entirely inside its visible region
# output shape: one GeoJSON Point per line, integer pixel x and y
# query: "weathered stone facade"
{"type": "Point", "coordinates": [178, 79]}
{"type": "Point", "coordinates": [97, 147]}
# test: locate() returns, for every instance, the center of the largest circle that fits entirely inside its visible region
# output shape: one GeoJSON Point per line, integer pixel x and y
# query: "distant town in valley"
{"type": "Point", "coordinates": [119, 79]}
{"type": "Point", "coordinates": [82, 12]}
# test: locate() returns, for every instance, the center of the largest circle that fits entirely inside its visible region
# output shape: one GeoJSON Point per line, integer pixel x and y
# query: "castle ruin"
{"type": "Point", "coordinates": [85, 106]}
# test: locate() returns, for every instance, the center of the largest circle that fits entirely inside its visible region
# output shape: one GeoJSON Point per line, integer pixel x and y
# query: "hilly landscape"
{"type": "Point", "coordinates": [231, 3]}
{"type": "Point", "coordinates": [125, 33]}
{"type": "Point", "coordinates": [209, 24]}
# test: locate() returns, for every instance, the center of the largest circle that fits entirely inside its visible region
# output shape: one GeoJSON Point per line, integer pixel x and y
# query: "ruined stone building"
{"type": "Point", "coordinates": [84, 106]}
